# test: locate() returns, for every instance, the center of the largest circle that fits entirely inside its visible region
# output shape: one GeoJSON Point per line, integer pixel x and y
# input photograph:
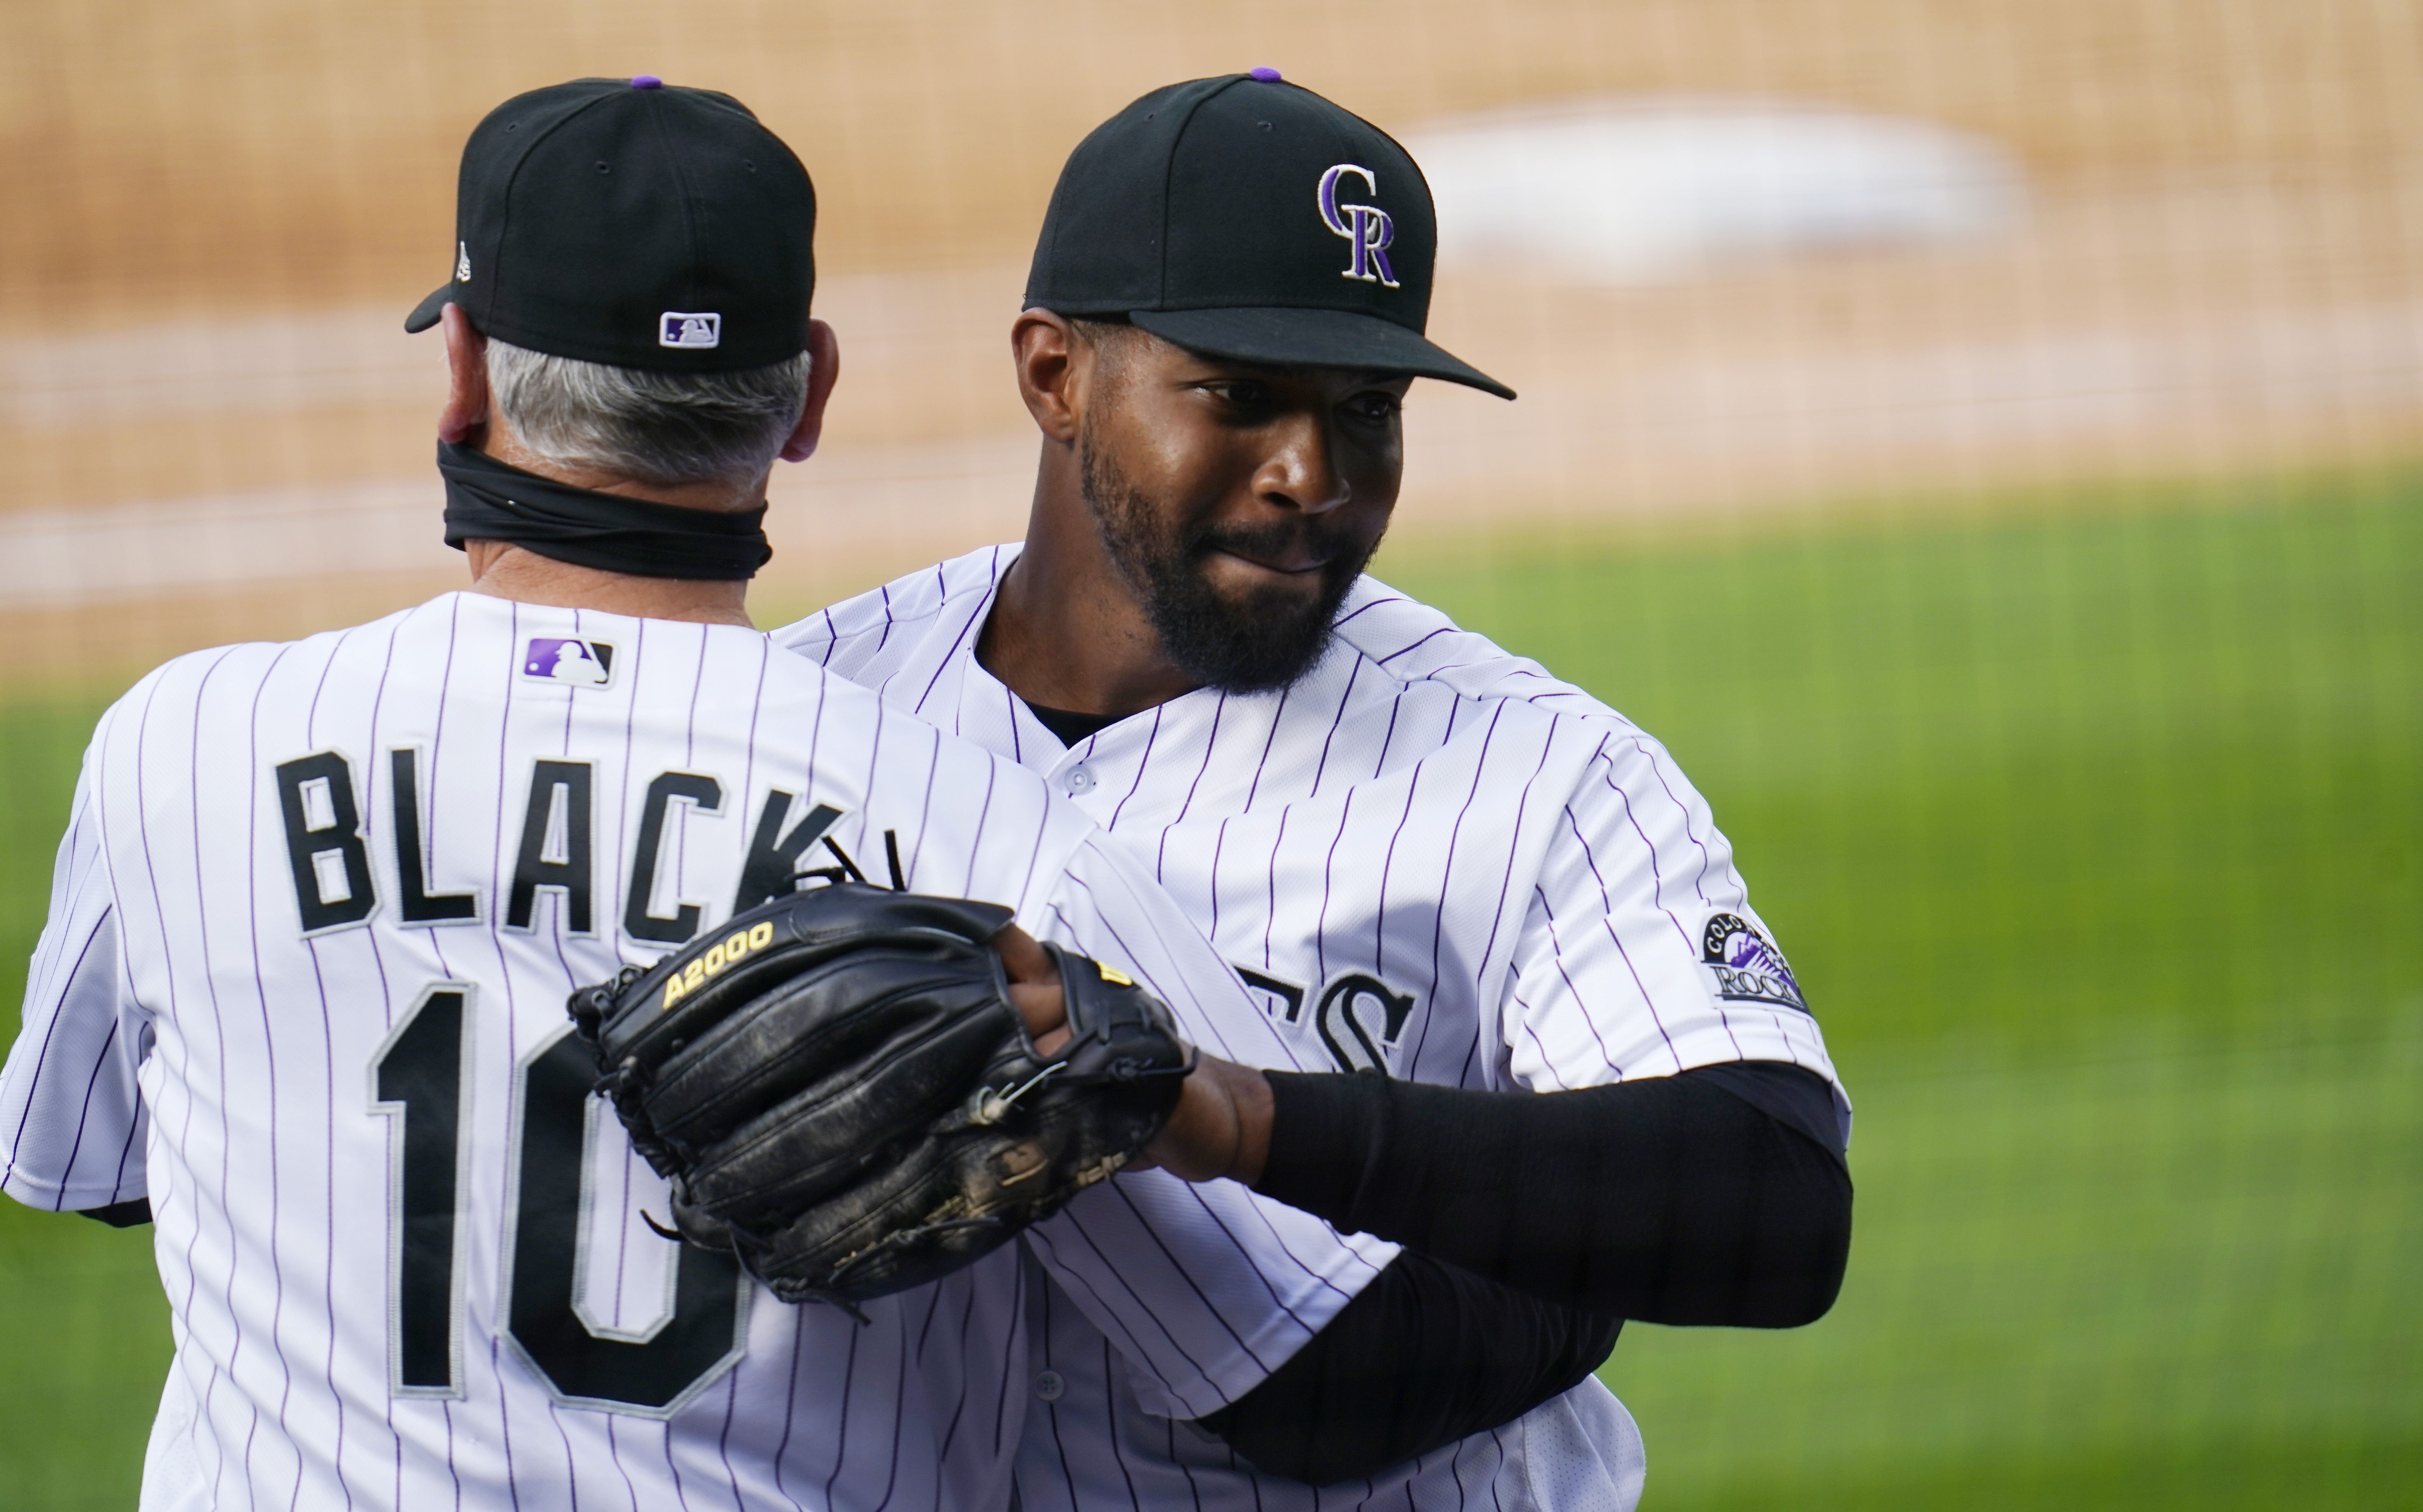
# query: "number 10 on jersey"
{"type": "Point", "coordinates": [421, 1078]}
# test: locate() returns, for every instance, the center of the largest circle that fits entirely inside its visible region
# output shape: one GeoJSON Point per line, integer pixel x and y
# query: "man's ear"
{"type": "Point", "coordinates": [824, 365]}
{"type": "Point", "coordinates": [1046, 350]}
{"type": "Point", "coordinates": [467, 378]}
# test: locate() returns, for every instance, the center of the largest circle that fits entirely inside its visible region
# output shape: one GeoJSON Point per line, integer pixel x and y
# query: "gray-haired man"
{"type": "Point", "coordinates": [301, 996]}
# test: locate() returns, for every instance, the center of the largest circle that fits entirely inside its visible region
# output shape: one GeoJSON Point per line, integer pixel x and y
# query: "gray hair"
{"type": "Point", "coordinates": [662, 428]}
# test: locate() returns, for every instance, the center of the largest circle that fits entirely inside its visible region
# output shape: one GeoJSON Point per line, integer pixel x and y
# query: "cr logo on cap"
{"type": "Point", "coordinates": [1367, 227]}
{"type": "Point", "coordinates": [681, 328]}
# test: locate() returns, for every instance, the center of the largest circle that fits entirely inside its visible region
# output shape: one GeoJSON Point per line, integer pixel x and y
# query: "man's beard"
{"type": "Point", "coordinates": [1266, 639]}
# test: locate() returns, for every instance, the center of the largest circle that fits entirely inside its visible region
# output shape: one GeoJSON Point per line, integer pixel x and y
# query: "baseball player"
{"type": "Point", "coordinates": [1426, 856]}
{"type": "Point", "coordinates": [301, 998]}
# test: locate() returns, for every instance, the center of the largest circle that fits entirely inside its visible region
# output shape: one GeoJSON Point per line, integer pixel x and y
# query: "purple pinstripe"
{"type": "Point", "coordinates": [1504, 890]}
{"type": "Point", "coordinates": [43, 1057]}
{"type": "Point", "coordinates": [91, 1081]}
{"type": "Point", "coordinates": [1211, 744]}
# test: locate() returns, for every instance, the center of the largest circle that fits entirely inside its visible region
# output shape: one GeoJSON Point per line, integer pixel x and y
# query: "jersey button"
{"type": "Point", "coordinates": [1080, 779]}
{"type": "Point", "coordinates": [1049, 1387]}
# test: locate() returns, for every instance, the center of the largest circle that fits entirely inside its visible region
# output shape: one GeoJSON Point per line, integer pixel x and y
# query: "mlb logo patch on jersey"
{"type": "Point", "coordinates": [690, 328]}
{"type": "Point", "coordinates": [1745, 966]}
{"type": "Point", "coordinates": [578, 663]}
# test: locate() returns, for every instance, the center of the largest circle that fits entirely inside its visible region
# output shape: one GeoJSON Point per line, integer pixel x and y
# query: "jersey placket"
{"type": "Point", "coordinates": [1121, 775]}
{"type": "Point", "coordinates": [1098, 773]}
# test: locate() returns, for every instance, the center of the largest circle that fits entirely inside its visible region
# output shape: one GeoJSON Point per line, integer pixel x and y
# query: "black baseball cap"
{"type": "Point", "coordinates": [1248, 218]}
{"type": "Point", "coordinates": [628, 222]}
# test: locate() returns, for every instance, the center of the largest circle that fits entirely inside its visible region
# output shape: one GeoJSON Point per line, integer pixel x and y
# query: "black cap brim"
{"type": "Point", "coordinates": [427, 312]}
{"type": "Point", "coordinates": [1290, 337]}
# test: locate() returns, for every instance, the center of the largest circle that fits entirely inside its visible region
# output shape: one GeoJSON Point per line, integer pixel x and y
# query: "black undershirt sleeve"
{"type": "Point", "coordinates": [1719, 1196]}
{"type": "Point", "coordinates": [122, 1215]}
{"type": "Point", "coordinates": [1534, 1225]}
{"type": "Point", "coordinates": [1426, 1353]}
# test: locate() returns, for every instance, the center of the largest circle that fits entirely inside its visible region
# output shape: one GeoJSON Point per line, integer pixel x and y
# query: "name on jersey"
{"type": "Point", "coordinates": [333, 832]}
{"type": "Point", "coordinates": [1745, 965]}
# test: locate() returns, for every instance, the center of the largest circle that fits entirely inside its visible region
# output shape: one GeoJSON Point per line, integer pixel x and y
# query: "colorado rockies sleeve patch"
{"type": "Point", "coordinates": [1744, 965]}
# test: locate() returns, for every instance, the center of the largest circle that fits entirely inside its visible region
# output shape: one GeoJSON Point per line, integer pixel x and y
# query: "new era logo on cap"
{"type": "Point", "coordinates": [575, 224]}
{"type": "Point", "coordinates": [686, 329]}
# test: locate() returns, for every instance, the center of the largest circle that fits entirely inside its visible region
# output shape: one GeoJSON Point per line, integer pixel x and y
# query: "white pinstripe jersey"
{"type": "Point", "coordinates": [1428, 855]}
{"type": "Point", "coordinates": [303, 986]}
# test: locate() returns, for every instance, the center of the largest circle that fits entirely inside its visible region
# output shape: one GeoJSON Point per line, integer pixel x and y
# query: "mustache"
{"type": "Point", "coordinates": [1269, 541]}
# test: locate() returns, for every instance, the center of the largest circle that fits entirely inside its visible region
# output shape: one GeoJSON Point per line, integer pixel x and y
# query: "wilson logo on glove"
{"type": "Point", "coordinates": [728, 952]}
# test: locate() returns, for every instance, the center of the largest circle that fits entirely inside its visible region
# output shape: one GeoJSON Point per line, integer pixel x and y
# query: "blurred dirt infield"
{"type": "Point", "coordinates": [220, 212]}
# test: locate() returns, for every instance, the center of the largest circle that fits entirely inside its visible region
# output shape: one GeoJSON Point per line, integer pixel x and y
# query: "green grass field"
{"type": "Point", "coordinates": [2094, 835]}
{"type": "Point", "coordinates": [2093, 830]}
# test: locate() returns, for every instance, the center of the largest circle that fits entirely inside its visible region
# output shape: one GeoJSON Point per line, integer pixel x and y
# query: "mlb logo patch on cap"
{"type": "Point", "coordinates": [679, 328]}
{"type": "Point", "coordinates": [580, 663]}
{"type": "Point", "coordinates": [580, 207]}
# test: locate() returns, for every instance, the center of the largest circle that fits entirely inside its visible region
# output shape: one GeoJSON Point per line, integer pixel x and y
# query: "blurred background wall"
{"type": "Point", "coordinates": [1764, 253]}
{"type": "Point", "coordinates": [1981, 437]}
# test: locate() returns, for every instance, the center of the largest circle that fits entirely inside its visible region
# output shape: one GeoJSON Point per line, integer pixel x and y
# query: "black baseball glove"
{"type": "Point", "coordinates": [844, 1096]}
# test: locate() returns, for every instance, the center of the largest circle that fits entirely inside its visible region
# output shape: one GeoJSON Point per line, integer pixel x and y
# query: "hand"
{"type": "Point", "coordinates": [1221, 1126]}
{"type": "Point", "coordinates": [1034, 988]}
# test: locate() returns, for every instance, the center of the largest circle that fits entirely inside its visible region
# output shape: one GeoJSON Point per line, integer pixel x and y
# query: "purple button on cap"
{"type": "Point", "coordinates": [647, 81]}
{"type": "Point", "coordinates": [1264, 75]}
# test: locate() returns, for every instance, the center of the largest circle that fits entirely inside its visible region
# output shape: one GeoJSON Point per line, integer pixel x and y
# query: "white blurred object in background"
{"type": "Point", "coordinates": [1636, 188]}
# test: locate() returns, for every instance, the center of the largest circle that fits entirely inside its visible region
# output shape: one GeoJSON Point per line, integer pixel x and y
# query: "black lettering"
{"type": "Point", "coordinates": [419, 1078]}
{"type": "Point", "coordinates": [1287, 992]}
{"type": "Point", "coordinates": [1339, 1005]}
{"type": "Point", "coordinates": [413, 850]}
{"type": "Point", "coordinates": [707, 796]}
{"type": "Point", "coordinates": [772, 868]}
{"type": "Point", "coordinates": [1738, 985]}
{"type": "Point", "coordinates": [342, 835]}
{"type": "Point", "coordinates": [694, 1346]}
{"type": "Point", "coordinates": [421, 1081]}
{"type": "Point", "coordinates": [532, 870]}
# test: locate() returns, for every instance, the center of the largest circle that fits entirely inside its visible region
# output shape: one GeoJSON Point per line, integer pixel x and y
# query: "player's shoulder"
{"type": "Point", "coordinates": [844, 703]}
{"type": "Point", "coordinates": [898, 611]}
{"type": "Point", "coordinates": [973, 808]}
{"type": "Point", "coordinates": [786, 679]}
{"type": "Point", "coordinates": [239, 671]}
{"type": "Point", "coordinates": [1419, 647]}
{"type": "Point", "coordinates": [1425, 657]}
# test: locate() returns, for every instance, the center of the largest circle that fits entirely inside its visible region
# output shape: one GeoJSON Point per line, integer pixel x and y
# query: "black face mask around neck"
{"type": "Point", "coordinates": [487, 500]}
